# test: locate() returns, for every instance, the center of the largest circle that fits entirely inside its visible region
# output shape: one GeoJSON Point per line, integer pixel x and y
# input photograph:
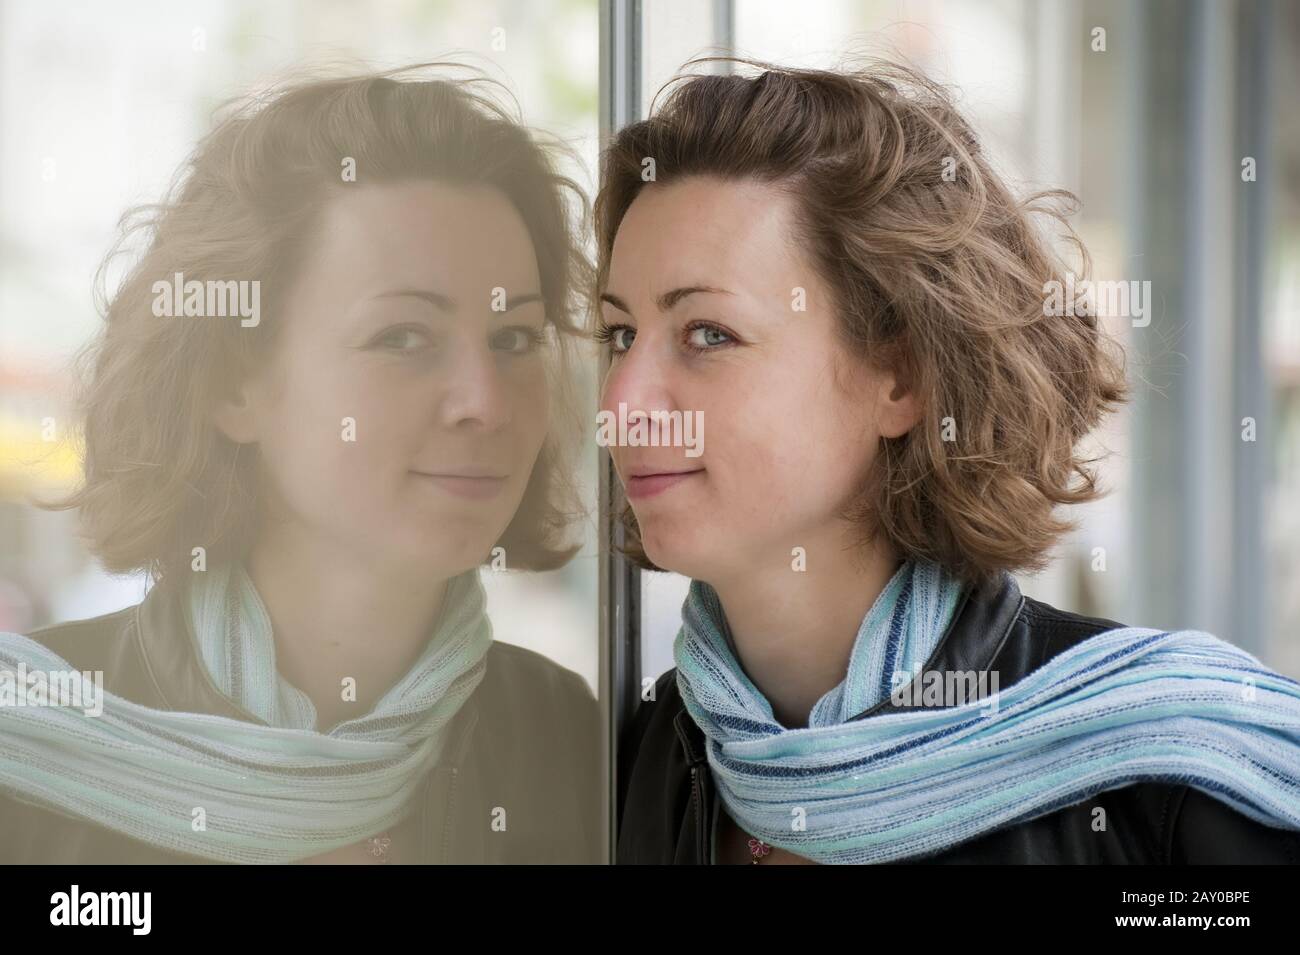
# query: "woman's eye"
{"type": "Point", "coordinates": [395, 338]}
{"type": "Point", "coordinates": [618, 337]}
{"type": "Point", "coordinates": [707, 336]}
{"type": "Point", "coordinates": [700, 337]}
{"type": "Point", "coordinates": [518, 339]}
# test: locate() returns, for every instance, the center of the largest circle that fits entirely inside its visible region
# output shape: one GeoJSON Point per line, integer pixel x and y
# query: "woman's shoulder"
{"type": "Point", "coordinates": [1041, 631]}
{"type": "Point", "coordinates": [91, 643]}
{"type": "Point", "coordinates": [524, 687]}
{"type": "Point", "coordinates": [112, 621]}
{"type": "Point", "coordinates": [513, 664]}
{"type": "Point", "coordinates": [31, 832]}
{"type": "Point", "coordinates": [1181, 822]}
{"type": "Point", "coordinates": [1063, 627]}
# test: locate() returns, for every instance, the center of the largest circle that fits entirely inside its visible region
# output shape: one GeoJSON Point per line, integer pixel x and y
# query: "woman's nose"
{"type": "Point", "coordinates": [476, 391]}
{"type": "Point", "coordinates": [639, 380]}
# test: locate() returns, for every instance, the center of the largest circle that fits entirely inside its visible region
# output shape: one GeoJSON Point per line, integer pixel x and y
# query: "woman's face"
{"type": "Point", "coordinates": [786, 443]}
{"type": "Point", "coordinates": [408, 350]}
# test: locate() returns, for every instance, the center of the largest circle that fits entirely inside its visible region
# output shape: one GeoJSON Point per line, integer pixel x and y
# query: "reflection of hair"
{"type": "Point", "coordinates": [940, 276]}
{"type": "Point", "coordinates": [160, 478]}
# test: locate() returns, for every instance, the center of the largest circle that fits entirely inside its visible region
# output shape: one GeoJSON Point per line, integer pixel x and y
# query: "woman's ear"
{"type": "Point", "coordinates": [235, 416]}
{"type": "Point", "coordinates": [898, 408]}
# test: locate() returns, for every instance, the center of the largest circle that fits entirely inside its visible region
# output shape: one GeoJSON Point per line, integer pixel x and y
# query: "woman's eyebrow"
{"type": "Point", "coordinates": [668, 300]}
{"type": "Point", "coordinates": [446, 303]}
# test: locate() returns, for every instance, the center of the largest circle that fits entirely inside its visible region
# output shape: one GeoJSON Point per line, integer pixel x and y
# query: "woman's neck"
{"type": "Point", "coordinates": [337, 616]}
{"type": "Point", "coordinates": [794, 630]}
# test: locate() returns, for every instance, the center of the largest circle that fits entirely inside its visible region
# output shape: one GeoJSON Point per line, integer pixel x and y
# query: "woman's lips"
{"type": "Point", "coordinates": [475, 488]}
{"type": "Point", "coordinates": [648, 485]}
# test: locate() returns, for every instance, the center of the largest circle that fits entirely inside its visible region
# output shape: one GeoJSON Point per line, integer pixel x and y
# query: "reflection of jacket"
{"type": "Point", "coordinates": [668, 800]}
{"type": "Point", "coordinates": [527, 741]}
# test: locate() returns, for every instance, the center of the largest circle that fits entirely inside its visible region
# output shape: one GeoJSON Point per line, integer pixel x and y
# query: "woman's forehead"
{"type": "Point", "coordinates": [705, 232]}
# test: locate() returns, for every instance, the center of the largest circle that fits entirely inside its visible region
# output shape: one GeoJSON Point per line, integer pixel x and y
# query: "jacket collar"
{"type": "Point", "coordinates": [978, 631]}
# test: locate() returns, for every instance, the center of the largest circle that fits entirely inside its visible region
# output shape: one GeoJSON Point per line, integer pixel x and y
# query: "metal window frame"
{"type": "Point", "coordinates": [620, 580]}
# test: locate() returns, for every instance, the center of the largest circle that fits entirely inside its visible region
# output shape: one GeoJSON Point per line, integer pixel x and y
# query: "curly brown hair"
{"type": "Point", "coordinates": [160, 478]}
{"type": "Point", "coordinates": [937, 271]}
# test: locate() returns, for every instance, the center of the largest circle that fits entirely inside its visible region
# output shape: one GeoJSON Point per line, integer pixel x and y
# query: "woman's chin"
{"type": "Point", "coordinates": [675, 558]}
{"type": "Point", "coordinates": [450, 554]}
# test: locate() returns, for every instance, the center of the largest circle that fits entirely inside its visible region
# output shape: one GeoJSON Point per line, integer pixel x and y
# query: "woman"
{"type": "Point", "coordinates": [823, 267]}
{"type": "Point", "coordinates": [322, 400]}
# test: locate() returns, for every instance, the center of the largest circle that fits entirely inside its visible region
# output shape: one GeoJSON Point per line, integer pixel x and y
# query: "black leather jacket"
{"type": "Point", "coordinates": [668, 803]}
{"type": "Point", "coordinates": [527, 740]}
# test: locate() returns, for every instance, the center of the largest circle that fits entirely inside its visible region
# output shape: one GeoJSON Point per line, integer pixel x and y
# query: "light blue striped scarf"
{"type": "Point", "coordinates": [1128, 705]}
{"type": "Point", "coordinates": [277, 790]}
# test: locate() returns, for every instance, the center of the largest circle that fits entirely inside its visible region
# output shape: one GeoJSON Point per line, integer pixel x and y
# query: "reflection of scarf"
{"type": "Point", "coordinates": [271, 791]}
{"type": "Point", "coordinates": [1121, 707]}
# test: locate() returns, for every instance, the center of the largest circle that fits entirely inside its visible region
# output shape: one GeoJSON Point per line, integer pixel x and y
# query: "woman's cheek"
{"type": "Point", "coordinates": [532, 410]}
